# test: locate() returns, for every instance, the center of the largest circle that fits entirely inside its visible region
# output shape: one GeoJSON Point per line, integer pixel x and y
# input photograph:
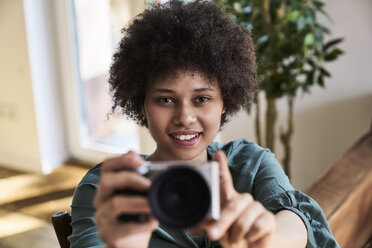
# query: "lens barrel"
{"type": "Point", "coordinates": [179, 197]}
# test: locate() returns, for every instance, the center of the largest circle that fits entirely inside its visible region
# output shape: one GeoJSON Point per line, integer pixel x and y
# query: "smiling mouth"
{"type": "Point", "coordinates": [186, 139]}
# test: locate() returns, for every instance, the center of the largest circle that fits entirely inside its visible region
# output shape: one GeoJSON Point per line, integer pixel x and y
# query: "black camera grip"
{"type": "Point", "coordinates": [132, 217]}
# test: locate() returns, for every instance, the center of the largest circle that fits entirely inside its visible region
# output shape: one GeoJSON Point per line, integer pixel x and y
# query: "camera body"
{"type": "Point", "coordinates": [182, 193]}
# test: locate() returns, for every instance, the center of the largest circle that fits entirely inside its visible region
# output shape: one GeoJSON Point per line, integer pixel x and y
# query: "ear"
{"type": "Point", "coordinates": [223, 110]}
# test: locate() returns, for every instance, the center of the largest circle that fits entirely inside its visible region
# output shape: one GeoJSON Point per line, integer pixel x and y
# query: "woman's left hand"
{"type": "Point", "coordinates": [243, 222]}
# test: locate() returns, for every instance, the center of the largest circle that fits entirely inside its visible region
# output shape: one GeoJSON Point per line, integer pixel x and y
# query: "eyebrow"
{"type": "Point", "coordinates": [164, 90]}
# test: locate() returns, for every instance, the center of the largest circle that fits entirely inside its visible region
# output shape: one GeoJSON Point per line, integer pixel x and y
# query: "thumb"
{"type": "Point", "coordinates": [226, 184]}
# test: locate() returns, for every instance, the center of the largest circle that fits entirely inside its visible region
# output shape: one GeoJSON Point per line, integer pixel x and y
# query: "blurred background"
{"type": "Point", "coordinates": [54, 105]}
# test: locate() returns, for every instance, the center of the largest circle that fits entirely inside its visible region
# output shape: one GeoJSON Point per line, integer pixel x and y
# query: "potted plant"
{"type": "Point", "coordinates": [291, 52]}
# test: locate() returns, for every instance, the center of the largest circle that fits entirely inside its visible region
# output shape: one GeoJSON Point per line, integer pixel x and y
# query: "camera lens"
{"type": "Point", "coordinates": [179, 197]}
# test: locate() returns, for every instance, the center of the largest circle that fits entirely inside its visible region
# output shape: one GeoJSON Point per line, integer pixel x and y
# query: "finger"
{"type": "Point", "coordinates": [243, 224]}
{"type": "Point", "coordinates": [226, 185]}
{"type": "Point", "coordinates": [128, 241]}
{"type": "Point", "coordinates": [113, 234]}
{"type": "Point", "coordinates": [264, 225]}
{"type": "Point", "coordinates": [130, 160]}
{"type": "Point", "coordinates": [110, 210]}
{"type": "Point", "coordinates": [133, 227]}
{"type": "Point", "coordinates": [139, 239]}
{"type": "Point", "coordinates": [266, 241]}
{"type": "Point", "coordinates": [111, 182]}
{"type": "Point", "coordinates": [224, 242]}
{"type": "Point", "coordinates": [129, 204]}
{"type": "Point", "coordinates": [228, 216]}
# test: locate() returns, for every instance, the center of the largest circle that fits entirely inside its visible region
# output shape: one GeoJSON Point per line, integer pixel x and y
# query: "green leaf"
{"type": "Point", "coordinates": [293, 16]}
{"type": "Point", "coordinates": [247, 10]}
{"type": "Point", "coordinates": [246, 25]}
{"type": "Point", "coordinates": [325, 14]}
{"type": "Point", "coordinates": [294, 31]}
{"type": "Point", "coordinates": [309, 39]}
{"type": "Point", "coordinates": [310, 17]}
{"type": "Point", "coordinates": [262, 39]}
{"type": "Point", "coordinates": [332, 43]}
{"type": "Point", "coordinates": [324, 72]}
{"type": "Point", "coordinates": [320, 80]}
{"type": "Point", "coordinates": [318, 4]}
{"type": "Point", "coordinates": [319, 35]}
{"type": "Point", "coordinates": [322, 27]}
{"type": "Point", "coordinates": [310, 78]}
{"type": "Point", "coordinates": [333, 55]}
{"type": "Point", "coordinates": [238, 7]}
{"type": "Point", "coordinates": [311, 62]}
{"type": "Point", "coordinates": [301, 23]}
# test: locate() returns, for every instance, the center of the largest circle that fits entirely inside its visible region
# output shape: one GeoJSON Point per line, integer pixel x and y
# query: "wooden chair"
{"type": "Point", "coordinates": [61, 223]}
{"type": "Point", "coordinates": [344, 192]}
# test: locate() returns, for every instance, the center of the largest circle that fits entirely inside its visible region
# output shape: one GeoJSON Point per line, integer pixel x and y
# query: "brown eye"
{"type": "Point", "coordinates": [202, 99]}
{"type": "Point", "coordinates": [165, 100]}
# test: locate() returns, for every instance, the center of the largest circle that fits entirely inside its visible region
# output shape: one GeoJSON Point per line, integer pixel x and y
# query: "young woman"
{"type": "Point", "coordinates": [182, 70]}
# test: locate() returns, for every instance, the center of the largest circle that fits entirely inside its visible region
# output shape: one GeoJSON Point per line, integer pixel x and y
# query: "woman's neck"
{"type": "Point", "coordinates": [157, 156]}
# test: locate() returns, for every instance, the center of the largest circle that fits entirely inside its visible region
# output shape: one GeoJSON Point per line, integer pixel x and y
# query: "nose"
{"type": "Point", "coordinates": [184, 115]}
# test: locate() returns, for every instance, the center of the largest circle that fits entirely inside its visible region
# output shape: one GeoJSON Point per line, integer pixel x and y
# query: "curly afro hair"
{"type": "Point", "coordinates": [175, 36]}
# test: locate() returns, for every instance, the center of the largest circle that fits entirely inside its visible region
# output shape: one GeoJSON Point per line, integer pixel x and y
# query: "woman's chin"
{"type": "Point", "coordinates": [190, 155]}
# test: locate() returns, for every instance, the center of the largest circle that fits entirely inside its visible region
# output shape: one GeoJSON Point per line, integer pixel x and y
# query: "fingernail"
{"type": "Point", "coordinates": [155, 224]}
{"type": "Point", "coordinates": [146, 181]}
{"type": "Point", "coordinates": [215, 232]}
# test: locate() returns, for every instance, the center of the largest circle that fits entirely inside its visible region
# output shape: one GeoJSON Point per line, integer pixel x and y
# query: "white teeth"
{"type": "Point", "coordinates": [185, 137]}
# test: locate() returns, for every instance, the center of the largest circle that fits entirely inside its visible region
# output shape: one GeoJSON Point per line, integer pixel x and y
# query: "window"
{"type": "Point", "coordinates": [87, 44]}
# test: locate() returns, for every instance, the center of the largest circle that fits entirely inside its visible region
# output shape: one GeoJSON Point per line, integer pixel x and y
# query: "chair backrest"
{"type": "Point", "coordinates": [61, 223]}
{"type": "Point", "coordinates": [344, 193]}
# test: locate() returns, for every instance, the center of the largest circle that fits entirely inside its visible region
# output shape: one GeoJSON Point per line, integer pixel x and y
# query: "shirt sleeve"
{"type": "Point", "coordinates": [84, 230]}
{"type": "Point", "coordinates": [272, 188]}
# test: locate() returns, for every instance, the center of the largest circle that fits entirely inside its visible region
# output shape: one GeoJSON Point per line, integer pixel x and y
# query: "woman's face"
{"type": "Point", "coordinates": [183, 114]}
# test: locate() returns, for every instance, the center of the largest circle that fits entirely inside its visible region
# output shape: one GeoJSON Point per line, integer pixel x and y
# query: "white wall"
{"type": "Point", "coordinates": [19, 146]}
{"type": "Point", "coordinates": [31, 126]}
{"type": "Point", "coordinates": [45, 77]}
{"type": "Point", "coordinates": [328, 121]}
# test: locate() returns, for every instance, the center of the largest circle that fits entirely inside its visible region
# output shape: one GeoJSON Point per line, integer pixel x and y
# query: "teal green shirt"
{"type": "Point", "coordinates": [254, 170]}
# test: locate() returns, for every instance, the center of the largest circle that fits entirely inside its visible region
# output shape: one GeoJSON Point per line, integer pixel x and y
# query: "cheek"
{"type": "Point", "coordinates": [156, 124]}
{"type": "Point", "coordinates": [212, 118]}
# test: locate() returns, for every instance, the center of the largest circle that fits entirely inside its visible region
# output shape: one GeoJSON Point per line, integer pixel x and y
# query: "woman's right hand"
{"type": "Point", "coordinates": [109, 205]}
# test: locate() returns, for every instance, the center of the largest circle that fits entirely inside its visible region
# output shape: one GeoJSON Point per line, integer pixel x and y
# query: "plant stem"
{"type": "Point", "coordinates": [265, 7]}
{"type": "Point", "coordinates": [285, 138]}
{"type": "Point", "coordinates": [270, 108]}
{"type": "Point", "coordinates": [257, 121]}
{"type": "Point", "coordinates": [271, 115]}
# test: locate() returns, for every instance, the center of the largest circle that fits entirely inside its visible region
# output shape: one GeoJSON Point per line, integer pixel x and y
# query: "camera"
{"type": "Point", "coordinates": [182, 193]}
